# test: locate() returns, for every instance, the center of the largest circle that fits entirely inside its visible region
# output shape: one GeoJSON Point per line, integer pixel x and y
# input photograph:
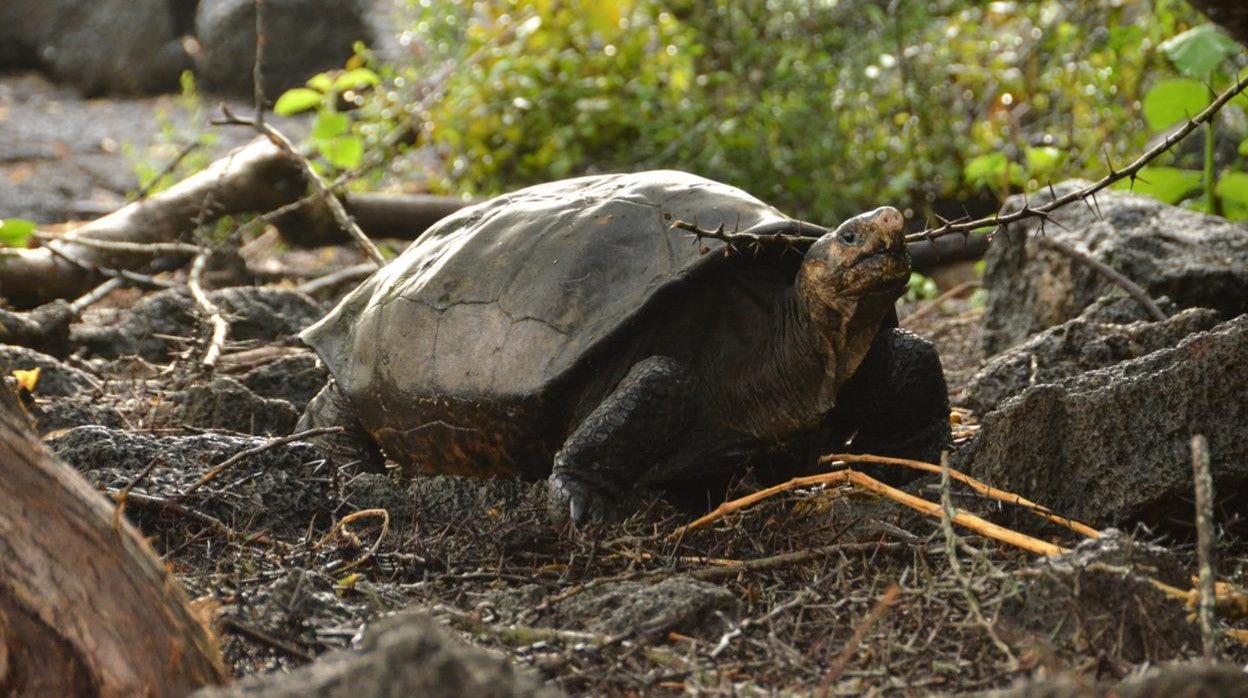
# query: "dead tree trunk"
{"type": "Point", "coordinates": [256, 177]}
{"type": "Point", "coordinates": [86, 608]}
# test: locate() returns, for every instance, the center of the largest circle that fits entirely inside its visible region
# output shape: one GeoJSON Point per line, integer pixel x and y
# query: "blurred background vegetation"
{"type": "Point", "coordinates": [823, 108]}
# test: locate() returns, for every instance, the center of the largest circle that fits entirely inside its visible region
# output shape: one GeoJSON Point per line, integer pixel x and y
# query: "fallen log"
{"type": "Point", "coordinates": [256, 177]}
{"type": "Point", "coordinates": [86, 607]}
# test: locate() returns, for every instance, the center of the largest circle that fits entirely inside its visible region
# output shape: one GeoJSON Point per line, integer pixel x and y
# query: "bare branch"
{"type": "Point", "coordinates": [1133, 289]}
{"type": "Point", "coordinates": [322, 189]}
{"type": "Point", "coordinates": [220, 328]}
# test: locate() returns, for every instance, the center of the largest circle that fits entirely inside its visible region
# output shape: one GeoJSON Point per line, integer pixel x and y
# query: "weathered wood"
{"type": "Point", "coordinates": [86, 607]}
{"type": "Point", "coordinates": [257, 177]}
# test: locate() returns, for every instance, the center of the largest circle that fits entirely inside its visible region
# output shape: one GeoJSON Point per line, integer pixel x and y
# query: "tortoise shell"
{"type": "Point", "coordinates": [469, 353]}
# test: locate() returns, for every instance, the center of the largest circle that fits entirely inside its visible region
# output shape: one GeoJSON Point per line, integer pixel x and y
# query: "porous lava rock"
{"type": "Point", "coordinates": [1100, 600]}
{"type": "Point", "coordinates": [1177, 680]}
{"type": "Point", "coordinates": [676, 604]}
{"type": "Point", "coordinates": [152, 328]}
{"type": "Point", "coordinates": [296, 379]}
{"type": "Point", "coordinates": [1113, 445]}
{"type": "Point", "coordinates": [1074, 347]}
{"type": "Point", "coordinates": [283, 488]}
{"type": "Point", "coordinates": [224, 403]}
{"type": "Point", "coordinates": [302, 38]}
{"type": "Point", "coordinates": [56, 379]}
{"type": "Point", "coordinates": [1196, 259]}
{"type": "Point", "coordinates": [404, 655]}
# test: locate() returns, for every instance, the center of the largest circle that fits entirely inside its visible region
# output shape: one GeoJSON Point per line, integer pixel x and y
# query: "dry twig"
{"type": "Point", "coordinates": [322, 190]}
{"type": "Point", "coordinates": [980, 487]}
{"type": "Point", "coordinates": [855, 640]}
{"type": "Point", "coordinates": [220, 328]}
{"type": "Point", "coordinates": [853, 477]}
{"type": "Point", "coordinates": [341, 525]}
{"type": "Point", "coordinates": [1204, 546]}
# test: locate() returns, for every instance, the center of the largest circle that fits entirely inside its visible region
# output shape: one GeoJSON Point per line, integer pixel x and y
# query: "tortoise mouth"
{"type": "Point", "coordinates": [878, 273]}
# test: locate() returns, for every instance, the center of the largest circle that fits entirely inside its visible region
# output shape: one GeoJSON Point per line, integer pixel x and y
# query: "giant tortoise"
{"type": "Point", "coordinates": [569, 331]}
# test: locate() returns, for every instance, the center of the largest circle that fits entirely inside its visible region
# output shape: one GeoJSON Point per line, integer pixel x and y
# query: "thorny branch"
{"type": "Point", "coordinates": [793, 233]}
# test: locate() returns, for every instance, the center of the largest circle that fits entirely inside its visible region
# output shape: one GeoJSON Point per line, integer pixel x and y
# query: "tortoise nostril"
{"type": "Point", "coordinates": [889, 220]}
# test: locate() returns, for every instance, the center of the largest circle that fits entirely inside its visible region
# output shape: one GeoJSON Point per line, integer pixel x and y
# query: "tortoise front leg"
{"type": "Point", "coordinates": [637, 425]}
{"type": "Point", "coordinates": [352, 445]}
{"type": "Point", "coordinates": [898, 401]}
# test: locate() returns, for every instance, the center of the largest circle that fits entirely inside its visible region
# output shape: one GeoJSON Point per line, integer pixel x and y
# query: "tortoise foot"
{"type": "Point", "coordinates": [572, 498]}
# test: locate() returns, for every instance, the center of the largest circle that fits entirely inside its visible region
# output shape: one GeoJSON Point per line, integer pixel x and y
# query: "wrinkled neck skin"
{"type": "Point", "coordinates": [814, 349]}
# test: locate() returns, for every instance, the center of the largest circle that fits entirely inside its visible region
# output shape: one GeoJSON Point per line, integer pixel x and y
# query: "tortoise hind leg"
{"type": "Point", "coordinates": [351, 445]}
{"type": "Point", "coordinates": [638, 424]}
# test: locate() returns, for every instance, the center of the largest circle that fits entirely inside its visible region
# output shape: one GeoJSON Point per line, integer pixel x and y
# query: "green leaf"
{"type": "Point", "coordinates": [14, 232]}
{"type": "Point", "coordinates": [1243, 147]}
{"type": "Point", "coordinates": [1232, 190]}
{"type": "Point", "coordinates": [355, 79]}
{"type": "Point", "coordinates": [1233, 186]}
{"type": "Point", "coordinates": [321, 82]}
{"type": "Point", "coordinates": [920, 287]}
{"type": "Point", "coordinates": [343, 152]}
{"type": "Point", "coordinates": [329, 124]}
{"type": "Point", "coordinates": [1198, 51]}
{"type": "Point", "coordinates": [1169, 184]}
{"type": "Point", "coordinates": [986, 169]}
{"type": "Point", "coordinates": [1042, 161]}
{"type": "Point", "coordinates": [295, 100]}
{"type": "Point", "coordinates": [1172, 101]}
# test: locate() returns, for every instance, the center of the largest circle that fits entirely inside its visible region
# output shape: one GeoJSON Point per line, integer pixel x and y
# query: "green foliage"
{"type": "Point", "coordinates": [1171, 102]}
{"type": "Point", "coordinates": [1170, 184]}
{"type": "Point", "coordinates": [335, 137]}
{"type": "Point", "coordinates": [921, 288]}
{"type": "Point", "coordinates": [152, 166]}
{"type": "Point", "coordinates": [1201, 54]}
{"type": "Point", "coordinates": [15, 232]}
{"type": "Point", "coordinates": [823, 108]}
{"type": "Point", "coordinates": [298, 99]}
{"type": "Point", "coordinates": [1198, 51]}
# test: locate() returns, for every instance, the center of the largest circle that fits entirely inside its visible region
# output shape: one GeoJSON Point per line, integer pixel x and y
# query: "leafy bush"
{"type": "Point", "coordinates": [824, 108]}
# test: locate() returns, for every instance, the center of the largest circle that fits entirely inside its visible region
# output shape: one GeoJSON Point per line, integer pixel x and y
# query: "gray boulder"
{"type": "Point", "coordinates": [102, 46]}
{"type": "Point", "coordinates": [1112, 445]}
{"type": "Point", "coordinates": [405, 655]}
{"type": "Point", "coordinates": [1196, 259]}
{"type": "Point", "coordinates": [681, 604]}
{"type": "Point", "coordinates": [303, 37]}
{"type": "Point", "coordinates": [1100, 600]}
{"type": "Point", "coordinates": [1076, 346]}
{"type": "Point", "coordinates": [152, 327]}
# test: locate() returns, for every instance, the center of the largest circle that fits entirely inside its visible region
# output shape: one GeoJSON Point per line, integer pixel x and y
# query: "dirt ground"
{"type": "Point", "coordinates": [814, 589]}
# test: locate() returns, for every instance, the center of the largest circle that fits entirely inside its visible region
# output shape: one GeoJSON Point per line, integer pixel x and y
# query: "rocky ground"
{"type": "Point", "coordinates": [1088, 411]}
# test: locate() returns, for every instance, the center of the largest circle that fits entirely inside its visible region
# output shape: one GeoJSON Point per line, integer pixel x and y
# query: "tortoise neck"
{"type": "Point", "coordinates": [817, 346]}
{"type": "Point", "coordinates": [794, 379]}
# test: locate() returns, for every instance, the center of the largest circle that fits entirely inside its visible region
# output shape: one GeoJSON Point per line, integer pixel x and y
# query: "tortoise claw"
{"type": "Point", "coordinates": [577, 500]}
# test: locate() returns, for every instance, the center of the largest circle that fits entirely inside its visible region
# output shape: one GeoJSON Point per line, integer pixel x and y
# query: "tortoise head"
{"type": "Point", "coordinates": [864, 257]}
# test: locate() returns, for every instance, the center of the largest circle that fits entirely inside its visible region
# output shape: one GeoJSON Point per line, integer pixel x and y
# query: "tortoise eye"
{"type": "Point", "coordinates": [849, 236]}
